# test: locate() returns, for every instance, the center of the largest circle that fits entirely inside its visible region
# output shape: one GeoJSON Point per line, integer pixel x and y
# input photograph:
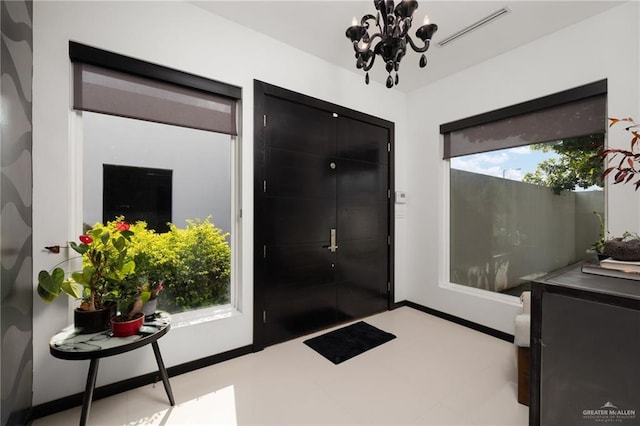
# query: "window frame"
{"type": "Point", "coordinates": [98, 57]}
{"type": "Point", "coordinates": [571, 95]}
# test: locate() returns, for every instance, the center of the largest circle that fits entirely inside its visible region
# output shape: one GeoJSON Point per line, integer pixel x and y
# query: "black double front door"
{"type": "Point", "coordinates": [322, 216]}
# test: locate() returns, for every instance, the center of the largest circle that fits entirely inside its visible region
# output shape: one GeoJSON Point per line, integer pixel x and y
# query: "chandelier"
{"type": "Point", "coordinates": [392, 24]}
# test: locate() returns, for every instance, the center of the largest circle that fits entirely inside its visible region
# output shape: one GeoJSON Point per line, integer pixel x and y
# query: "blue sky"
{"type": "Point", "coordinates": [513, 162]}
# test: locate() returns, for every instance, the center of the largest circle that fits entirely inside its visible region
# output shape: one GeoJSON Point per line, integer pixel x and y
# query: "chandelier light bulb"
{"type": "Point", "coordinates": [354, 21]}
{"type": "Point", "coordinates": [426, 21]}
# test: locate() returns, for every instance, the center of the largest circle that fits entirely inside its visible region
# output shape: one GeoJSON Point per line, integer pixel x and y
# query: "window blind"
{"type": "Point", "coordinates": [107, 91]}
{"type": "Point", "coordinates": [578, 117]}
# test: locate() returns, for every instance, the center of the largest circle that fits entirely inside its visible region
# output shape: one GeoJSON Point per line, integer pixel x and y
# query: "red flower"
{"type": "Point", "coordinates": [85, 239]}
{"type": "Point", "coordinates": [122, 226]}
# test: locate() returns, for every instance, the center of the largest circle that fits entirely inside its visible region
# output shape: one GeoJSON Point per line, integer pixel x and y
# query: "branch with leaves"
{"type": "Point", "coordinates": [628, 166]}
{"type": "Point", "coordinates": [577, 164]}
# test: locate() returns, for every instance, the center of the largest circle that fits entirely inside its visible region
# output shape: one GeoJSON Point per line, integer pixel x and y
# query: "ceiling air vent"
{"type": "Point", "coordinates": [484, 21]}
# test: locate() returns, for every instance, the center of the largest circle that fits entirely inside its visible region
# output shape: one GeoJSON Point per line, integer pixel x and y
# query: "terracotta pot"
{"type": "Point", "coordinates": [87, 322]}
{"type": "Point", "coordinates": [127, 328]}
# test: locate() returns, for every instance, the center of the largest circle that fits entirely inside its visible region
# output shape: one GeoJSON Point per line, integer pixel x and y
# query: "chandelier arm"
{"type": "Point", "coordinates": [406, 27]}
{"type": "Point", "coordinates": [383, 12]}
{"type": "Point", "coordinates": [367, 46]}
{"type": "Point", "coordinates": [394, 26]}
{"type": "Point", "coordinates": [416, 48]}
{"type": "Point", "coordinates": [366, 18]}
{"type": "Point", "coordinates": [368, 66]}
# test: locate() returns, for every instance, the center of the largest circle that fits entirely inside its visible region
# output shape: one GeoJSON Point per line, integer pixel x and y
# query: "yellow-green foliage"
{"type": "Point", "coordinates": [123, 262]}
{"type": "Point", "coordinates": [202, 259]}
{"type": "Point", "coordinates": [150, 252]}
{"type": "Point", "coordinates": [193, 264]}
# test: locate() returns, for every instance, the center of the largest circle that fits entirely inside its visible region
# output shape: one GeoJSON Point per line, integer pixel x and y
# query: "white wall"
{"type": "Point", "coordinates": [200, 162]}
{"type": "Point", "coordinates": [184, 37]}
{"type": "Point", "coordinates": [605, 46]}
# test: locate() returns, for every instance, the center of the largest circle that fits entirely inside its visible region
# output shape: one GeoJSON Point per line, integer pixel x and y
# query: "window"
{"type": "Point", "coordinates": [161, 148]}
{"type": "Point", "coordinates": [138, 193]}
{"type": "Point", "coordinates": [523, 192]}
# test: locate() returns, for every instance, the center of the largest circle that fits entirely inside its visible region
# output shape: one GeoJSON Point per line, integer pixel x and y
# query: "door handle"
{"type": "Point", "coordinates": [333, 246]}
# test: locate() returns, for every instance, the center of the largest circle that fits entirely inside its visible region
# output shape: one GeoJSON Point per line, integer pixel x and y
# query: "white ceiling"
{"type": "Point", "coordinates": [318, 27]}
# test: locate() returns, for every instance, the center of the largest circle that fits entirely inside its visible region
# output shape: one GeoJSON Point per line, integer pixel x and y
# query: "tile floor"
{"type": "Point", "coordinates": [434, 373]}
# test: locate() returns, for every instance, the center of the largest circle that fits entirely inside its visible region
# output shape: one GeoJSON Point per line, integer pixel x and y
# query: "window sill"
{"type": "Point", "coordinates": [485, 294]}
{"type": "Point", "coordinates": [204, 315]}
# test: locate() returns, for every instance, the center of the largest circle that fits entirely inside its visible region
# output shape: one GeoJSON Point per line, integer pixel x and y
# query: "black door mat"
{"type": "Point", "coordinates": [340, 345]}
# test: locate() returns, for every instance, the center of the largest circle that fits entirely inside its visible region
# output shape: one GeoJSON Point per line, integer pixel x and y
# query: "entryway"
{"type": "Point", "coordinates": [323, 230]}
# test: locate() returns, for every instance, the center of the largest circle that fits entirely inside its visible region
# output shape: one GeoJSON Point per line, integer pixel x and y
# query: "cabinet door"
{"type": "Point", "coordinates": [589, 357]}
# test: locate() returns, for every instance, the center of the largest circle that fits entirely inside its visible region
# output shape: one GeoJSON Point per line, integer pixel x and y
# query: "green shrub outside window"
{"type": "Point", "coordinates": [193, 264]}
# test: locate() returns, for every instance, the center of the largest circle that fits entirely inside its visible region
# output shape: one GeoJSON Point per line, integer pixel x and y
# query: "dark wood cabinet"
{"type": "Point", "coordinates": [585, 340]}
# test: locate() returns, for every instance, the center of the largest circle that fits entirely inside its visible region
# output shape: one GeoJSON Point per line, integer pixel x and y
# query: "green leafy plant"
{"type": "Point", "coordinates": [598, 246]}
{"type": "Point", "coordinates": [131, 264]}
{"type": "Point", "coordinates": [196, 264]}
{"type": "Point", "coordinates": [628, 166]}
{"type": "Point", "coordinates": [106, 264]}
{"type": "Point", "coordinates": [578, 164]}
{"type": "Point", "coordinates": [149, 252]}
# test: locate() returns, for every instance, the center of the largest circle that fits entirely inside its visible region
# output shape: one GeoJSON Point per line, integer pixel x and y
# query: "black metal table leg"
{"type": "Point", "coordinates": [163, 372]}
{"type": "Point", "coordinates": [88, 390]}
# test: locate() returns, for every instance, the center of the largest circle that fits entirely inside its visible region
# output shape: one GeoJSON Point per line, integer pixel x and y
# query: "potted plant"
{"type": "Point", "coordinates": [625, 248]}
{"type": "Point", "coordinates": [151, 256]}
{"type": "Point", "coordinates": [129, 294]}
{"type": "Point", "coordinates": [624, 166]}
{"type": "Point", "coordinates": [151, 304]}
{"type": "Point", "coordinates": [106, 263]}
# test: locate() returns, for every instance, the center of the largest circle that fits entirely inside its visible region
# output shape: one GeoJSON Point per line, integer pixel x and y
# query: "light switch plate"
{"type": "Point", "coordinates": [401, 197]}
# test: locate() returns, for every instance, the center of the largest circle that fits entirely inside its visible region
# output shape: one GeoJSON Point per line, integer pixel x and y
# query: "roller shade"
{"type": "Point", "coordinates": [562, 120]}
{"type": "Point", "coordinates": [108, 91]}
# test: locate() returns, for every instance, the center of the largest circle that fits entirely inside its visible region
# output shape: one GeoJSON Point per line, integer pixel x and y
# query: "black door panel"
{"type": "Point", "coordinates": [361, 289]}
{"type": "Point", "coordinates": [296, 220]}
{"type": "Point", "coordinates": [297, 127]}
{"type": "Point", "coordinates": [292, 173]}
{"type": "Point", "coordinates": [297, 311]}
{"type": "Point", "coordinates": [362, 211]}
{"type": "Point", "coordinates": [362, 180]}
{"type": "Point", "coordinates": [363, 219]}
{"type": "Point", "coordinates": [319, 172]}
{"type": "Point", "coordinates": [356, 300]}
{"type": "Point", "coordinates": [362, 141]}
{"type": "Point", "coordinates": [300, 265]}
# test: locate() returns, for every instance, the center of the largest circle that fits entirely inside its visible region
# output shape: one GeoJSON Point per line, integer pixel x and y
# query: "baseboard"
{"type": "Point", "coordinates": [75, 400]}
{"type": "Point", "coordinates": [470, 324]}
{"type": "Point", "coordinates": [210, 360]}
{"type": "Point", "coordinates": [397, 305]}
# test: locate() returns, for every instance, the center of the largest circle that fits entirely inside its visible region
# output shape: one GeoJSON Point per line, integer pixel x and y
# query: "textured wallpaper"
{"type": "Point", "coordinates": [16, 323]}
